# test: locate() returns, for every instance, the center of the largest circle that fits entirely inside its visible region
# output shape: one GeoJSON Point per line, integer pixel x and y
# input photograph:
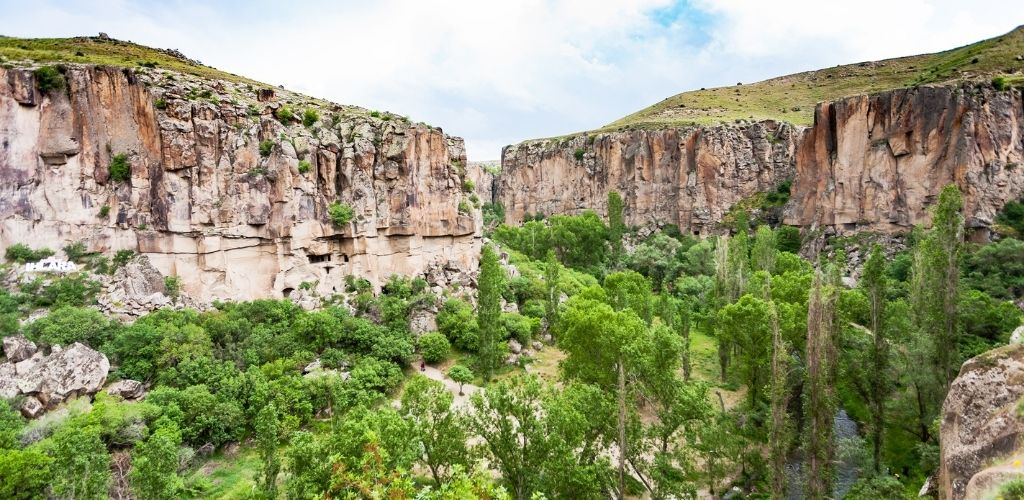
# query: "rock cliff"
{"type": "Point", "coordinates": [227, 187]}
{"type": "Point", "coordinates": [982, 425]}
{"type": "Point", "coordinates": [874, 162]}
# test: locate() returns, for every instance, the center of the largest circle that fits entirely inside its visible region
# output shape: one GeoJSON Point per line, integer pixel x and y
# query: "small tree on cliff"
{"type": "Point", "coordinates": [490, 284]}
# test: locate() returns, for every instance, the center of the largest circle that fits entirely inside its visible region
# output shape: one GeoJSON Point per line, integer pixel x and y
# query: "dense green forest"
{"type": "Point", "coordinates": [661, 366]}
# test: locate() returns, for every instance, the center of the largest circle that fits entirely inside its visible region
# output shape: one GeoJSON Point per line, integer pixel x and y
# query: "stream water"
{"type": "Point", "coordinates": [846, 470]}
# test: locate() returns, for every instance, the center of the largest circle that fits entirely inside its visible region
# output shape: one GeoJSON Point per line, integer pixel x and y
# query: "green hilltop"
{"type": "Point", "coordinates": [792, 98]}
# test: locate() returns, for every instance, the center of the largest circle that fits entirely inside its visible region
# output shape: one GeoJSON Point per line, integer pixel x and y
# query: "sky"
{"type": "Point", "coordinates": [497, 73]}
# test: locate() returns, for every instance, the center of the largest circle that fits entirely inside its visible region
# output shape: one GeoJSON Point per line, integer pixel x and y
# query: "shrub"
{"type": "Point", "coordinates": [120, 170]}
{"type": "Point", "coordinates": [104, 211]}
{"type": "Point", "coordinates": [340, 213]}
{"type": "Point", "coordinates": [458, 323]}
{"type": "Point", "coordinates": [434, 347]}
{"type": "Point", "coordinates": [266, 147]}
{"type": "Point", "coordinates": [172, 285]}
{"type": "Point", "coordinates": [122, 257]}
{"type": "Point", "coordinates": [1001, 83]}
{"type": "Point", "coordinates": [468, 186]}
{"type": "Point", "coordinates": [49, 79]}
{"type": "Point", "coordinates": [310, 117]}
{"type": "Point", "coordinates": [578, 154]}
{"type": "Point", "coordinates": [75, 251]}
{"type": "Point", "coordinates": [160, 103]}
{"type": "Point", "coordinates": [375, 114]}
{"type": "Point", "coordinates": [304, 166]}
{"type": "Point", "coordinates": [67, 325]}
{"type": "Point", "coordinates": [1012, 490]}
{"type": "Point", "coordinates": [787, 239]}
{"type": "Point", "coordinates": [284, 114]}
{"type": "Point", "coordinates": [75, 290]}
{"type": "Point", "coordinates": [21, 253]}
{"type": "Point", "coordinates": [464, 207]}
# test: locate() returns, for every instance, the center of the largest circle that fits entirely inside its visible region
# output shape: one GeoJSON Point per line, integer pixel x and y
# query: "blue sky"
{"type": "Point", "coordinates": [500, 72]}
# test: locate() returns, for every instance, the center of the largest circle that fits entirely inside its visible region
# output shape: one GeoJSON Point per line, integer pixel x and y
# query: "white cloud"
{"type": "Point", "coordinates": [500, 72]}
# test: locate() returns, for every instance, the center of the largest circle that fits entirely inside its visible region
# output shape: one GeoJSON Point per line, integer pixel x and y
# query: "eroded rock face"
{"type": "Point", "coordinates": [205, 203]}
{"type": "Point", "coordinates": [126, 389]}
{"type": "Point", "coordinates": [873, 163]}
{"type": "Point", "coordinates": [689, 177]}
{"type": "Point", "coordinates": [980, 425]}
{"type": "Point", "coordinates": [18, 348]}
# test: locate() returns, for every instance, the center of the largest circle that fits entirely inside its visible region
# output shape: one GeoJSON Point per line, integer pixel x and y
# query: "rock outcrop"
{"type": "Point", "coordinates": [872, 163]}
{"type": "Point", "coordinates": [226, 187]}
{"type": "Point", "coordinates": [49, 380]}
{"type": "Point", "coordinates": [982, 425]}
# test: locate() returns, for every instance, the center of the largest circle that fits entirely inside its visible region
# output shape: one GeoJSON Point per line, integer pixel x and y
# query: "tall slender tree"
{"type": "Point", "coordinates": [819, 393]}
{"type": "Point", "coordinates": [489, 286]}
{"type": "Point", "coordinates": [552, 294]}
{"type": "Point", "coordinates": [616, 226]}
{"type": "Point", "coordinates": [763, 254]}
{"type": "Point", "coordinates": [267, 436]}
{"type": "Point", "coordinates": [936, 282]}
{"type": "Point", "coordinates": [873, 283]}
{"type": "Point", "coordinates": [778, 439]}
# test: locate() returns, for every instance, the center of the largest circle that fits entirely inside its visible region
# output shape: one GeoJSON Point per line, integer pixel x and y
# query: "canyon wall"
{"type": "Point", "coordinates": [221, 192]}
{"type": "Point", "coordinates": [872, 163]}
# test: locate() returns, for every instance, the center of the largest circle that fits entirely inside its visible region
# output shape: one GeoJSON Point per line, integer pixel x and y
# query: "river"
{"type": "Point", "coordinates": [843, 427]}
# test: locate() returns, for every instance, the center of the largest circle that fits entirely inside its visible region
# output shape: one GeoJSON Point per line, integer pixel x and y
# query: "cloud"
{"type": "Point", "coordinates": [500, 72]}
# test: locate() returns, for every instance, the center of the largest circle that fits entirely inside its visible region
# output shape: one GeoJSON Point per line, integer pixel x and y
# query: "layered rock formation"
{"type": "Point", "coordinates": [982, 425]}
{"type": "Point", "coordinates": [48, 380]}
{"type": "Point", "coordinates": [225, 189]}
{"type": "Point", "coordinates": [868, 163]}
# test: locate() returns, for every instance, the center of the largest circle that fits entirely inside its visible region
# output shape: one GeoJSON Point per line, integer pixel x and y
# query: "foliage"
{"type": "Point", "coordinates": [1012, 216]}
{"type": "Point", "coordinates": [120, 170]}
{"type": "Point", "coordinates": [81, 465]}
{"type": "Point", "coordinates": [746, 325]}
{"type": "Point", "coordinates": [616, 224]}
{"type": "Point", "coordinates": [493, 213]}
{"type": "Point", "coordinates": [996, 269]}
{"type": "Point", "coordinates": [172, 285]}
{"type": "Point", "coordinates": [21, 253]}
{"type": "Point", "coordinates": [49, 79]}
{"type": "Point", "coordinates": [66, 325]}
{"type": "Point", "coordinates": [438, 428]}
{"type": "Point", "coordinates": [489, 285]}
{"type": "Point", "coordinates": [75, 251]}
{"type": "Point", "coordinates": [460, 374]}
{"type": "Point", "coordinates": [155, 464]}
{"type": "Point", "coordinates": [122, 257]}
{"type": "Point", "coordinates": [434, 347]}
{"type": "Point", "coordinates": [457, 322]}
{"type": "Point", "coordinates": [340, 213]}
{"type": "Point", "coordinates": [268, 439]}
{"type": "Point", "coordinates": [309, 117]}
{"type": "Point", "coordinates": [304, 166]}
{"type": "Point", "coordinates": [266, 147]}
{"type": "Point", "coordinates": [284, 114]}
{"type": "Point", "coordinates": [24, 474]}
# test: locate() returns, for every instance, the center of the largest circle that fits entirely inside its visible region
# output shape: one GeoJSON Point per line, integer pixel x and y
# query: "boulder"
{"type": "Point", "coordinates": [422, 321]}
{"type": "Point", "coordinates": [514, 346]}
{"type": "Point", "coordinates": [8, 381]}
{"type": "Point", "coordinates": [980, 425]}
{"type": "Point", "coordinates": [32, 408]}
{"type": "Point", "coordinates": [313, 366]}
{"type": "Point", "coordinates": [18, 348]}
{"type": "Point", "coordinates": [1017, 336]}
{"type": "Point", "coordinates": [64, 373]}
{"type": "Point", "coordinates": [537, 345]}
{"type": "Point", "coordinates": [26, 366]}
{"type": "Point", "coordinates": [126, 389]}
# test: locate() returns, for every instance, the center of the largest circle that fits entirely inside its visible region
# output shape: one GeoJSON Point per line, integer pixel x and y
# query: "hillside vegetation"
{"type": "Point", "coordinates": [792, 98]}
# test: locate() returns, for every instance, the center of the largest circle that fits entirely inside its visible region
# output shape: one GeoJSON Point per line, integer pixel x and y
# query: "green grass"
{"type": "Point", "coordinates": [792, 98]}
{"type": "Point", "coordinates": [94, 50]}
{"type": "Point", "coordinates": [227, 477]}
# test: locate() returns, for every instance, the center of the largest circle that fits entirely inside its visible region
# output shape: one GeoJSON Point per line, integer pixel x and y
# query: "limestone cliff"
{"type": "Point", "coordinates": [872, 162]}
{"type": "Point", "coordinates": [226, 189]}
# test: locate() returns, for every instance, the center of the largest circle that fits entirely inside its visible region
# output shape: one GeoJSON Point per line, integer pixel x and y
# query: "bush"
{"type": "Point", "coordinates": [49, 79]}
{"type": "Point", "coordinates": [266, 147]}
{"type": "Point", "coordinates": [468, 185]}
{"type": "Point", "coordinates": [284, 114]}
{"type": "Point", "coordinates": [122, 257]}
{"type": "Point", "coordinates": [340, 213]}
{"type": "Point", "coordinates": [119, 168]}
{"type": "Point", "coordinates": [75, 251]}
{"type": "Point", "coordinates": [160, 103]}
{"type": "Point", "coordinates": [464, 207]}
{"type": "Point", "coordinates": [1001, 83]}
{"type": "Point", "coordinates": [1012, 490]}
{"type": "Point", "coordinates": [787, 239]}
{"type": "Point", "coordinates": [494, 214]}
{"type": "Point", "coordinates": [67, 325]}
{"type": "Point", "coordinates": [310, 117]}
{"type": "Point", "coordinates": [104, 211]}
{"type": "Point", "coordinates": [519, 327]}
{"type": "Point", "coordinates": [73, 290]}
{"type": "Point", "coordinates": [434, 347]}
{"type": "Point", "coordinates": [172, 285]}
{"type": "Point", "coordinates": [21, 253]}
{"type": "Point", "coordinates": [304, 166]}
{"type": "Point", "coordinates": [458, 323]}
{"type": "Point", "coordinates": [578, 154]}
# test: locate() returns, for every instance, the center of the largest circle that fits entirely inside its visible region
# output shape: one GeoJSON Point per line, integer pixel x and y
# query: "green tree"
{"type": "Point", "coordinates": [434, 347]}
{"type": "Point", "coordinates": [581, 241]}
{"type": "Point", "coordinates": [879, 385]}
{"type": "Point", "coordinates": [24, 474]}
{"type": "Point", "coordinates": [629, 290]}
{"type": "Point", "coordinates": [778, 438]}
{"type": "Point", "coordinates": [461, 375]}
{"type": "Point", "coordinates": [616, 225]}
{"type": "Point", "coordinates": [267, 440]}
{"type": "Point", "coordinates": [490, 285]}
{"type": "Point", "coordinates": [763, 254]}
{"type": "Point", "coordinates": [935, 283]}
{"type": "Point", "coordinates": [155, 464]}
{"type": "Point", "coordinates": [81, 465]}
{"type": "Point", "coordinates": [819, 394]}
{"type": "Point", "coordinates": [746, 325]}
{"type": "Point", "coordinates": [439, 430]}
{"type": "Point", "coordinates": [552, 293]}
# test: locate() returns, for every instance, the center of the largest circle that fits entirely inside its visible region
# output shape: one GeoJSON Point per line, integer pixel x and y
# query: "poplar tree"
{"type": "Point", "coordinates": [267, 431]}
{"type": "Point", "coordinates": [936, 281]}
{"type": "Point", "coordinates": [879, 386]}
{"type": "Point", "coordinates": [763, 254]}
{"type": "Point", "coordinates": [616, 225]}
{"type": "Point", "coordinates": [552, 294]}
{"type": "Point", "coordinates": [778, 439]}
{"type": "Point", "coordinates": [489, 285]}
{"type": "Point", "coordinates": [819, 390]}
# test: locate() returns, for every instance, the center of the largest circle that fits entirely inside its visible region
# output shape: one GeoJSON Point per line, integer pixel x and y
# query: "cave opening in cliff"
{"type": "Point", "coordinates": [287, 292]}
{"type": "Point", "coordinates": [318, 258]}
